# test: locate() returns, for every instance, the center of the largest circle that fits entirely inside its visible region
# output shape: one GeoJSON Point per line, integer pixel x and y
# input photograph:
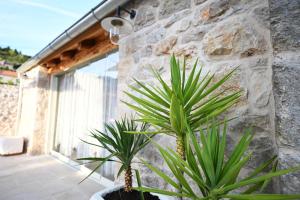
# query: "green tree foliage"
{"type": "Point", "coordinates": [10, 82]}
{"type": "Point", "coordinates": [14, 57]}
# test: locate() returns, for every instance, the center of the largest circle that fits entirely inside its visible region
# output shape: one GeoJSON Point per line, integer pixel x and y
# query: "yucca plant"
{"type": "Point", "coordinates": [189, 100]}
{"type": "Point", "coordinates": [122, 146]}
{"type": "Point", "coordinates": [206, 168]}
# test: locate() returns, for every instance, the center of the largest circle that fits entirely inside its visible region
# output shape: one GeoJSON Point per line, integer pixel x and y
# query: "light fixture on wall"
{"type": "Point", "coordinates": [117, 26]}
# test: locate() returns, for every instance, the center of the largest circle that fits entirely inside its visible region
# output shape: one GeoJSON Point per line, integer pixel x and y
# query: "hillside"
{"type": "Point", "coordinates": [11, 58]}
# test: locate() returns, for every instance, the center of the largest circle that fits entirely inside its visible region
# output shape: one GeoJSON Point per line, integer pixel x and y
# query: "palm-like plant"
{"type": "Point", "coordinates": [187, 102]}
{"type": "Point", "coordinates": [122, 146]}
{"type": "Point", "coordinates": [215, 176]}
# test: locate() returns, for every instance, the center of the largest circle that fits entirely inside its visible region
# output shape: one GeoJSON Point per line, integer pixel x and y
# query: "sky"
{"type": "Point", "coordinates": [29, 25]}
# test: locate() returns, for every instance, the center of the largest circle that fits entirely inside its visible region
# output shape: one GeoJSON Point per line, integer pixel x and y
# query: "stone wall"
{"type": "Point", "coordinates": [224, 34]}
{"type": "Point", "coordinates": [285, 31]}
{"type": "Point", "coordinates": [33, 110]}
{"type": "Point", "coordinates": [8, 109]}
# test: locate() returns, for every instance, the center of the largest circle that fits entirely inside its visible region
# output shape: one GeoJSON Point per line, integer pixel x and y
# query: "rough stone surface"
{"type": "Point", "coordinates": [199, 1]}
{"type": "Point", "coordinates": [210, 11]}
{"type": "Point", "coordinates": [286, 70]}
{"type": "Point", "coordinates": [165, 46]}
{"type": "Point", "coordinates": [285, 24]}
{"type": "Point", "coordinates": [145, 17]}
{"type": "Point", "coordinates": [262, 15]}
{"type": "Point", "coordinates": [186, 51]}
{"type": "Point", "coordinates": [156, 35]}
{"type": "Point", "coordinates": [8, 109]}
{"type": "Point", "coordinates": [259, 36]}
{"type": "Point", "coordinates": [234, 37]}
{"type": "Point", "coordinates": [224, 34]}
{"type": "Point", "coordinates": [287, 97]}
{"type": "Point", "coordinates": [176, 17]}
{"type": "Point", "coordinates": [289, 158]}
{"type": "Point", "coordinates": [259, 92]}
{"type": "Point", "coordinates": [285, 32]}
{"type": "Point", "coordinates": [168, 7]}
{"type": "Point", "coordinates": [196, 34]}
{"type": "Point", "coordinates": [184, 25]}
{"type": "Point", "coordinates": [33, 113]}
{"type": "Point", "coordinates": [38, 141]}
{"type": "Point", "coordinates": [154, 3]}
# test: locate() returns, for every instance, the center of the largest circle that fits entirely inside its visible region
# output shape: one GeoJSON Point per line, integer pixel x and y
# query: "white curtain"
{"type": "Point", "coordinates": [85, 102]}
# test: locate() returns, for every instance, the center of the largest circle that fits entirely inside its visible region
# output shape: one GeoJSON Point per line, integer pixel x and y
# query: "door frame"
{"type": "Point", "coordinates": [51, 126]}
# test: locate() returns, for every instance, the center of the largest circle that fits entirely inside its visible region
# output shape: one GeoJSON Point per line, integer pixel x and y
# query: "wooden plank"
{"type": "Point", "coordinates": [69, 54]}
{"type": "Point", "coordinates": [90, 44]}
{"type": "Point", "coordinates": [83, 56]}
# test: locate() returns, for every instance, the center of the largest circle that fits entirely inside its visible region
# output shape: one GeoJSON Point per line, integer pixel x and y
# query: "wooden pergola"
{"type": "Point", "coordinates": [90, 44]}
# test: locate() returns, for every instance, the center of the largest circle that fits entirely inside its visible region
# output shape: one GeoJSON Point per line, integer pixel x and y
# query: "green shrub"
{"type": "Point", "coordinates": [216, 177]}
{"type": "Point", "coordinates": [10, 82]}
{"type": "Point", "coordinates": [189, 101]}
{"type": "Point", "coordinates": [121, 145]}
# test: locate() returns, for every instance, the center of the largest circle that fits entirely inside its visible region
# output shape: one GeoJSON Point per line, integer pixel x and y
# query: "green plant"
{"type": "Point", "coordinates": [121, 145]}
{"type": "Point", "coordinates": [188, 103]}
{"type": "Point", "coordinates": [10, 82]}
{"type": "Point", "coordinates": [206, 167]}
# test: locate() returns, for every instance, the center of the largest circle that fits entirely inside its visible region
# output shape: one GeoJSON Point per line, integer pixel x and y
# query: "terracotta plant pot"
{"type": "Point", "coordinates": [103, 193]}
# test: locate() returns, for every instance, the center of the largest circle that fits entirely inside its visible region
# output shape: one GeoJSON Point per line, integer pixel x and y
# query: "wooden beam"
{"type": "Point", "coordinates": [81, 57]}
{"type": "Point", "coordinates": [92, 32]}
{"type": "Point", "coordinates": [90, 44]}
{"type": "Point", "coordinates": [69, 54]}
{"type": "Point", "coordinates": [87, 44]}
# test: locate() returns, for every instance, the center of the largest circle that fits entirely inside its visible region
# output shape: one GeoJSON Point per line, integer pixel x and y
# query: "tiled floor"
{"type": "Point", "coordinates": [42, 178]}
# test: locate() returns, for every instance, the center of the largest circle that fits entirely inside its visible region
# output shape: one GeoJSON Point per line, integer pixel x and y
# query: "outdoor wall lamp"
{"type": "Point", "coordinates": [117, 25]}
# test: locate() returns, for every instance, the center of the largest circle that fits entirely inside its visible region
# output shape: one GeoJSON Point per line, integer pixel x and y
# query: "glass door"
{"type": "Point", "coordinates": [87, 98]}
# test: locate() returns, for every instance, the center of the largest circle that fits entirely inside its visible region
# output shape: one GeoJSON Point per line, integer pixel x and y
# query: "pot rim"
{"type": "Point", "coordinates": [99, 195]}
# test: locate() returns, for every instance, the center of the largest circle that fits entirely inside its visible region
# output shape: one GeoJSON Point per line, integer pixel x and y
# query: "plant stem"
{"type": "Point", "coordinates": [128, 180]}
{"type": "Point", "coordinates": [180, 147]}
{"type": "Point", "coordinates": [181, 152]}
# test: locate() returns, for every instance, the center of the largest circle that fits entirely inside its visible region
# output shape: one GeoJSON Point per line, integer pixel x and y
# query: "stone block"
{"type": "Point", "coordinates": [156, 35]}
{"type": "Point", "coordinates": [8, 109]}
{"type": "Point", "coordinates": [195, 34]}
{"type": "Point", "coordinates": [285, 24]}
{"type": "Point", "coordinates": [169, 7]}
{"type": "Point", "coordinates": [164, 46]}
{"type": "Point", "coordinates": [289, 158]}
{"type": "Point", "coordinates": [262, 15]}
{"type": "Point", "coordinates": [197, 2]}
{"type": "Point", "coordinates": [153, 3]}
{"type": "Point", "coordinates": [176, 17]}
{"type": "Point", "coordinates": [187, 51]}
{"type": "Point", "coordinates": [260, 88]}
{"type": "Point", "coordinates": [145, 16]}
{"type": "Point", "coordinates": [234, 37]}
{"type": "Point", "coordinates": [184, 25]}
{"type": "Point", "coordinates": [210, 11]}
{"type": "Point", "coordinates": [286, 77]}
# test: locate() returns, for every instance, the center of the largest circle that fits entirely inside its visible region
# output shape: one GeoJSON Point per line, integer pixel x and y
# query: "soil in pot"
{"type": "Point", "coordinates": [134, 195]}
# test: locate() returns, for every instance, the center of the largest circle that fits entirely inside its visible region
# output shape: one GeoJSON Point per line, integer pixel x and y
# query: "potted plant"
{"type": "Point", "coordinates": [122, 148]}
{"type": "Point", "coordinates": [214, 176]}
{"type": "Point", "coordinates": [189, 100]}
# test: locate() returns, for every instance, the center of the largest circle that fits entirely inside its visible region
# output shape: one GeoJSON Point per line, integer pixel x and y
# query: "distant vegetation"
{"type": "Point", "coordinates": [11, 58]}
